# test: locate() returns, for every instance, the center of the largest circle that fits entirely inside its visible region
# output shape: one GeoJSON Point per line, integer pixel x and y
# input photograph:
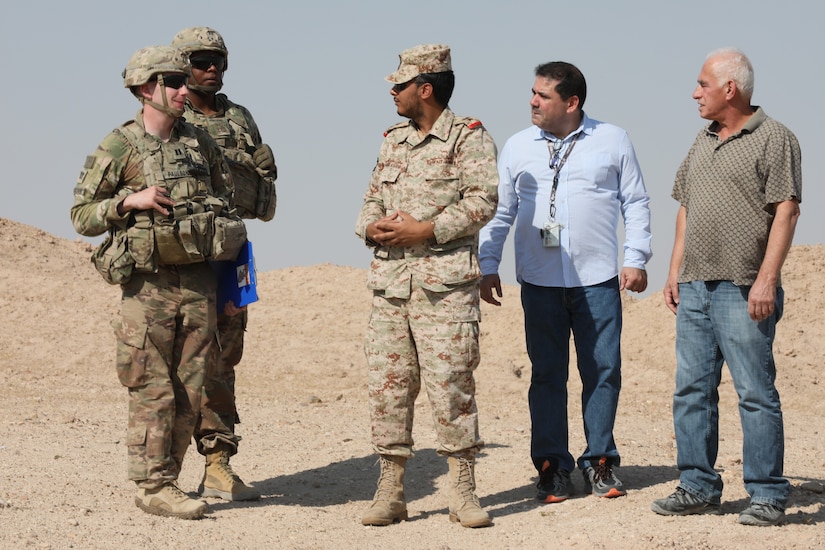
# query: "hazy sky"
{"type": "Point", "coordinates": [312, 74]}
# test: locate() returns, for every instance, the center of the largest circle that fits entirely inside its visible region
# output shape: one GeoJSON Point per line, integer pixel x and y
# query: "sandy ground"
{"type": "Point", "coordinates": [302, 398]}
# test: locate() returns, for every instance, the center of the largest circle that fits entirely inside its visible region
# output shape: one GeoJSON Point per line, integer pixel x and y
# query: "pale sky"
{"type": "Point", "coordinates": [312, 74]}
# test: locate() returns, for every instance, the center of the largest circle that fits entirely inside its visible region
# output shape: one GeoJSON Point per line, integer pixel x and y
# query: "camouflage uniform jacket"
{"type": "Point", "coordinates": [448, 177]}
{"type": "Point", "coordinates": [191, 161]}
{"type": "Point", "coordinates": [235, 131]}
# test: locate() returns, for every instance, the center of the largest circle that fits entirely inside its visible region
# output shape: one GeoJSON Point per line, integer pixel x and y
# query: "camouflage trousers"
{"type": "Point", "coordinates": [166, 339]}
{"type": "Point", "coordinates": [218, 414]}
{"type": "Point", "coordinates": [432, 337]}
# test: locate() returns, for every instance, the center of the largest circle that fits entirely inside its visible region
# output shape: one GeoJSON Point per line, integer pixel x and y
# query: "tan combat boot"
{"type": "Point", "coordinates": [168, 500]}
{"type": "Point", "coordinates": [219, 480]}
{"type": "Point", "coordinates": [388, 504]}
{"type": "Point", "coordinates": [464, 504]}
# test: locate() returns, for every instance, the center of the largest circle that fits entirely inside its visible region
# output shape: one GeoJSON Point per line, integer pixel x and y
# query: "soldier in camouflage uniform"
{"type": "Point", "coordinates": [431, 191]}
{"type": "Point", "coordinates": [138, 181]}
{"type": "Point", "coordinates": [253, 173]}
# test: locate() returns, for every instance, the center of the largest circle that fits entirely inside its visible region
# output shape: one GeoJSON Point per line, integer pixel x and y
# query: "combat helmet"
{"type": "Point", "coordinates": [201, 39]}
{"type": "Point", "coordinates": [152, 62]}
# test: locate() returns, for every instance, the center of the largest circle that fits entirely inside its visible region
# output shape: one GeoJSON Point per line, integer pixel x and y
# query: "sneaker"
{"type": "Point", "coordinates": [601, 481]}
{"type": "Point", "coordinates": [554, 484]}
{"type": "Point", "coordinates": [168, 500]}
{"type": "Point", "coordinates": [759, 513]}
{"type": "Point", "coordinates": [682, 503]}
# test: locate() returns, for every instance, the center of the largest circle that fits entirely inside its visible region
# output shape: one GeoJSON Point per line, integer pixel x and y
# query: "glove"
{"type": "Point", "coordinates": [264, 159]}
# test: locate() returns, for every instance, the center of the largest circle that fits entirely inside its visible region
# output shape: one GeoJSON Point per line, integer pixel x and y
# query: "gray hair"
{"type": "Point", "coordinates": [733, 64]}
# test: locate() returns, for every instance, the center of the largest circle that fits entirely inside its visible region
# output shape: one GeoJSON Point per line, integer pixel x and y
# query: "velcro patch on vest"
{"type": "Point", "coordinates": [179, 152]}
{"type": "Point", "coordinates": [175, 174]}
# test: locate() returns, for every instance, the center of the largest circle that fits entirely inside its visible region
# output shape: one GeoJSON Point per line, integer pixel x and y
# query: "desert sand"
{"type": "Point", "coordinates": [302, 399]}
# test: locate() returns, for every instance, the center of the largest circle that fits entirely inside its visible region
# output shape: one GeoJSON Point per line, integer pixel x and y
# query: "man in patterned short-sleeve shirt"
{"type": "Point", "coordinates": [739, 188]}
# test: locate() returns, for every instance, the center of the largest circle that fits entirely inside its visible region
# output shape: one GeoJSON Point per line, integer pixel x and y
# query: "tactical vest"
{"type": "Point", "coordinates": [199, 226]}
{"type": "Point", "coordinates": [254, 195]}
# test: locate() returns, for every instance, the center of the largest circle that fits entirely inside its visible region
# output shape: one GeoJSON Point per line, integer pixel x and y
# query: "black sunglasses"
{"type": "Point", "coordinates": [203, 62]}
{"type": "Point", "coordinates": [175, 81]}
{"type": "Point", "coordinates": [398, 88]}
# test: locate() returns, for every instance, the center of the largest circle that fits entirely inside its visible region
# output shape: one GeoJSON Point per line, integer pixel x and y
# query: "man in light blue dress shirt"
{"type": "Point", "coordinates": [564, 181]}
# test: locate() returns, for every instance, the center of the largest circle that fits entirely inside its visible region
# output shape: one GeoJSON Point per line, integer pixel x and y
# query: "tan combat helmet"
{"type": "Point", "coordinates": [201, 39]}
{"type": "Point", "coordinates": [153, 62]}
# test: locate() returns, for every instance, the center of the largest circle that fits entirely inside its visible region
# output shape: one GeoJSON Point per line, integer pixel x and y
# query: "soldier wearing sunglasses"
{"type": "Point", "coordinates": [432, 189]}
{"type": "Point", "coordinates": [142, 180]}
{"type": "Point", "coordinates": [253, 172]}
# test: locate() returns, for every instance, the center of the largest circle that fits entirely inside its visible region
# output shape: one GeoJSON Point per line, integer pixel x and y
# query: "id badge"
{"type": "Point", "coordinates": [550, 235]}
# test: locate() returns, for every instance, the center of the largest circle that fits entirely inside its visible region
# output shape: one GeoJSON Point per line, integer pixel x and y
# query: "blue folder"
{"type": "Point", "coordinates": [237, 280]}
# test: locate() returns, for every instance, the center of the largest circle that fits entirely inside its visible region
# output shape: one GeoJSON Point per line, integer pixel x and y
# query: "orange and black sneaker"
{"type": "Point", "coordinates": [554, 484]}
{"type": "Point", "coordinates": [601, 481]}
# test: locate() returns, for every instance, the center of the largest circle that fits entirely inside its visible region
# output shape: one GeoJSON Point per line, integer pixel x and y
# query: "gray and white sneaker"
{"type": "Point", "coordinates": [759, 513]}
{"type": "Point", "coordinates": [601, 481]}
{"type": "Point", "coordinates": [682, 503]}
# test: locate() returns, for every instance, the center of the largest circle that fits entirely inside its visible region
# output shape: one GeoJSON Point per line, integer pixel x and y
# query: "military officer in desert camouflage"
{"type": "Point", "coordinates": [157, 184]}
{"type": "Point", "coordinates": [431, 191]}
{"type": "Point", "coordinates": [253, 172]}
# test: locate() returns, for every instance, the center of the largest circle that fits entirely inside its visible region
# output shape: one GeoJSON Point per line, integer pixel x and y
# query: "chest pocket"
{"type": "Point", "coordinates": [443, 187]}
{"type": "Point", "coordinates": [388, 175]}
{"type": "Point", "coordinates": [390, 193]}
{"type": "Point", "coordinates": [221, 131]}
{"type": "Point", "coordinates": [230, 136]}
{"type": "Point", "coordinates": [597, 174]}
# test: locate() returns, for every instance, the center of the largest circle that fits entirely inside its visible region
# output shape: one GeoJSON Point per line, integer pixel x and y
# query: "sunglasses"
{"type": "Point", "coordinates": [398, 88]}
{"type": "Point", "coordinates": [203, 62]}
{"type": "Point", "coordinates": [175, 81]}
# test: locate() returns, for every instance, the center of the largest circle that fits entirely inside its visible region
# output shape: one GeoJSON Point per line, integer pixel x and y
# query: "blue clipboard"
{"type": "Point", "coordinates": [237, 279]}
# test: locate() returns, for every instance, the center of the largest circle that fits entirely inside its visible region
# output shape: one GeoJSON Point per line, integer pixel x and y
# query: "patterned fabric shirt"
{"type": "Point", "coordinates": [449, 177]}
{"type": "Point", "coordinates": [729, 190]}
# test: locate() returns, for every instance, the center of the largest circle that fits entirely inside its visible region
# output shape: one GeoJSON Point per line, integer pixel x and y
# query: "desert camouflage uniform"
{"type": "Point", "coordinates": [425, 309]}
{"type": "Point", "coordinates": [235, 131]}
{"type": "Point", "coordinates": [166, 334]}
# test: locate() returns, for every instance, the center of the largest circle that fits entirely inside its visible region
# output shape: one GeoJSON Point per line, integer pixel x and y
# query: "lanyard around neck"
{"type": "Point", "coordinates": [556, 164]}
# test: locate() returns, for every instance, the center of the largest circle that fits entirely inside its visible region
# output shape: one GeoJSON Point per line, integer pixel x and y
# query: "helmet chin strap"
{"type": "Point", "coordinates": [174, 113]}
{"type": "Point", "coordinates": [202, 88]}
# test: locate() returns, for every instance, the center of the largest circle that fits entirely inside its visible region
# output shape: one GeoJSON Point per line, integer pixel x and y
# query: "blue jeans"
{"type": "Point", "coordinates": [712, 327]}
{"type": "Point", "coordinates": [594, 315]}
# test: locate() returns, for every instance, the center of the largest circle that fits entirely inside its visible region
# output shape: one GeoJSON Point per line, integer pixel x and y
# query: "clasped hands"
{"type": "Point", "coordinates": [399, 229]}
